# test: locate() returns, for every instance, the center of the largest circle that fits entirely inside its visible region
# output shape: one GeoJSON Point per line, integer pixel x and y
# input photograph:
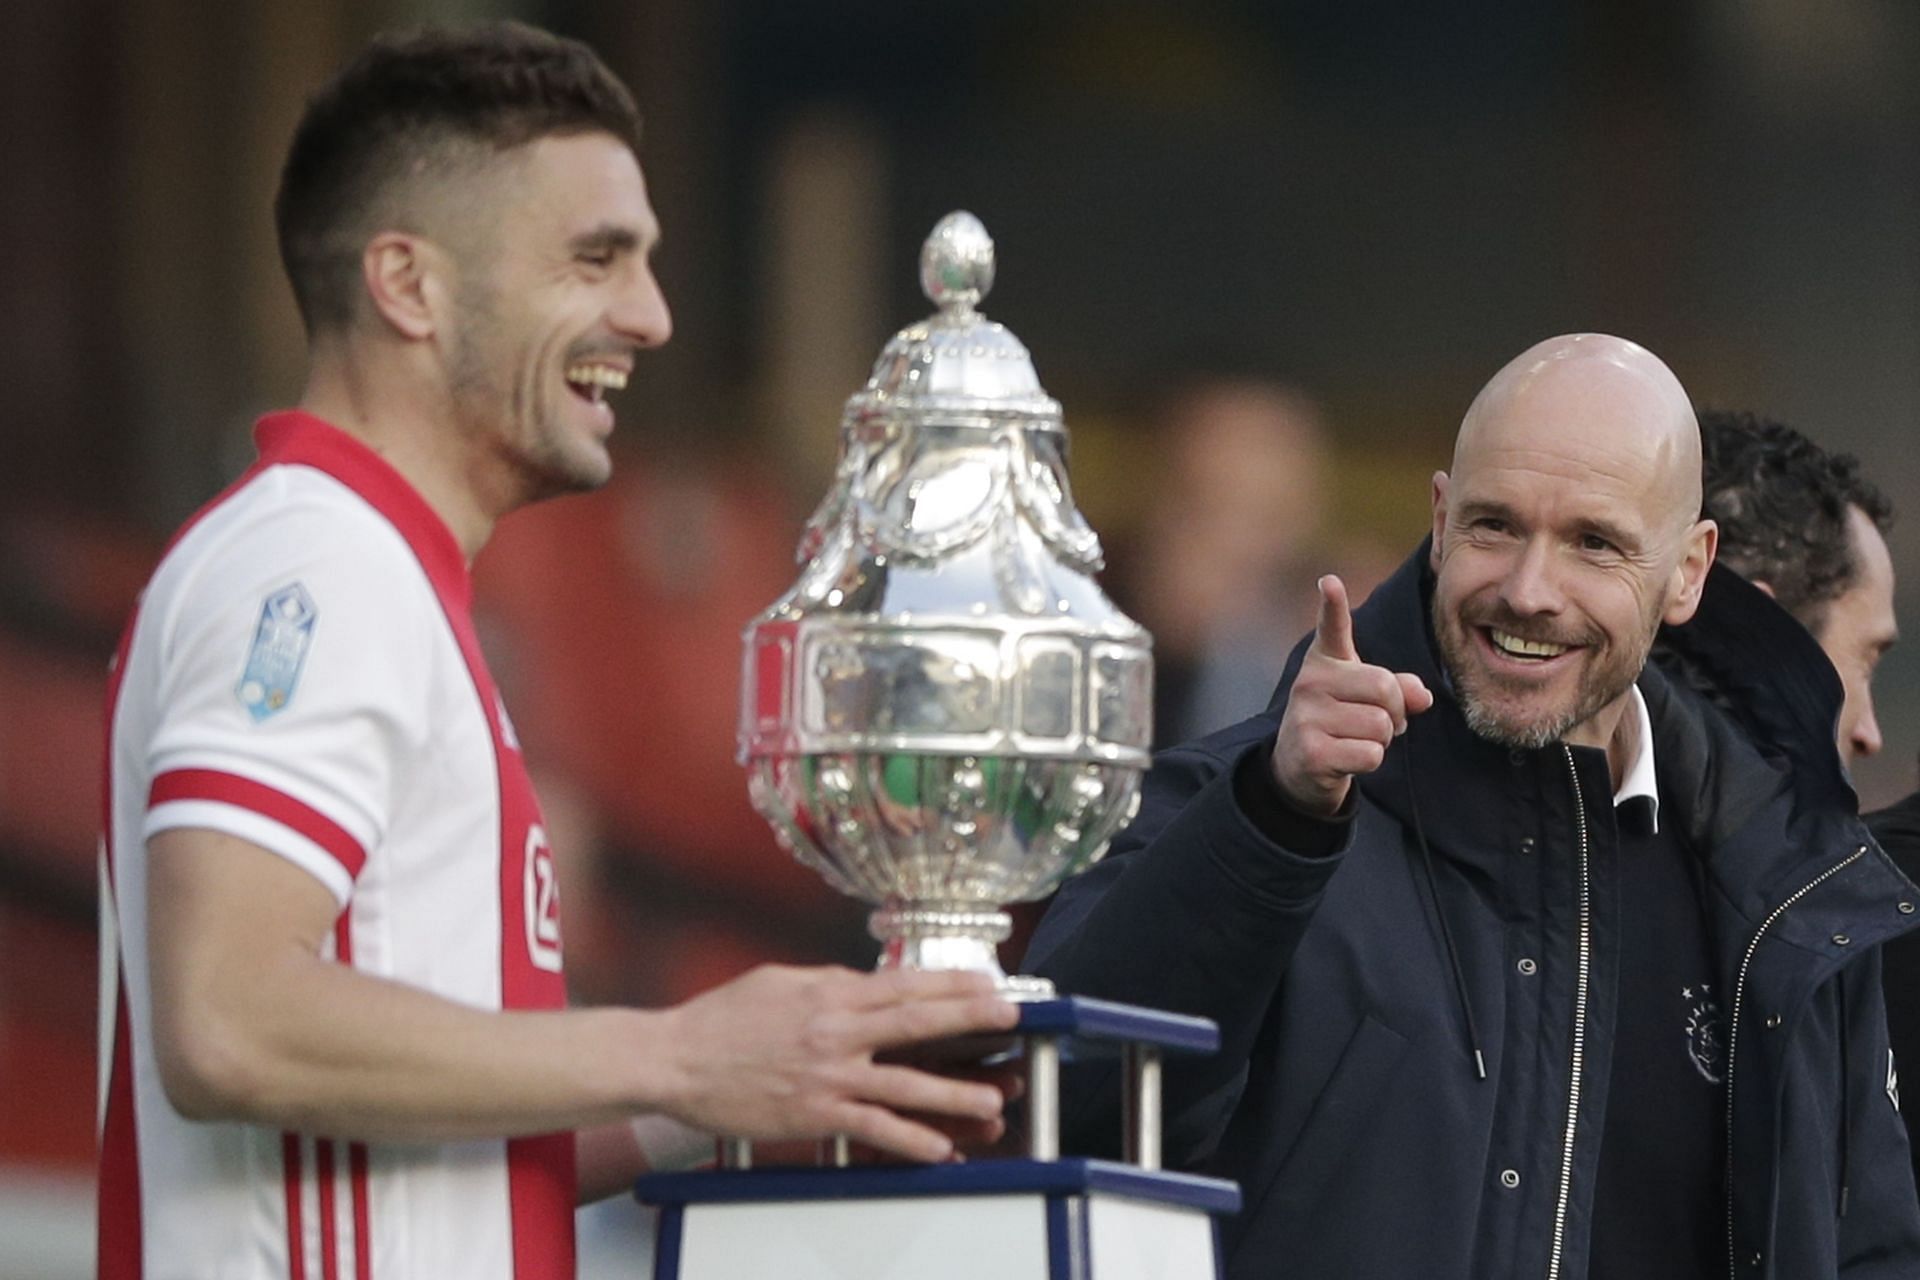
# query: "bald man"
{"type": "Point", "coordinates": [1528, 962]}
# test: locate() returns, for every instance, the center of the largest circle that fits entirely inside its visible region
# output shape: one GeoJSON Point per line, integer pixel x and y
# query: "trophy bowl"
{"type": "Point", "coordinates": [945, 714]}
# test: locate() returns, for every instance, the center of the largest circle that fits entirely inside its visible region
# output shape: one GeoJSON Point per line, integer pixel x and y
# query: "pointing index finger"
{"type": "Point", "coordinates": [1333, 631]}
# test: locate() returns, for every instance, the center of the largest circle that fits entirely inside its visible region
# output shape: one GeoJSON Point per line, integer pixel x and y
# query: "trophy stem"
{"type": "Point", "coordinates": [951, 937]}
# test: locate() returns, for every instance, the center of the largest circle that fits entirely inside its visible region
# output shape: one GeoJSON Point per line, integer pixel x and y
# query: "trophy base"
{"type": "Point", "coordinates": [938, 938]}
{"type": "Point", "coordinates": [1036, 1216]}
{"type": "Point", "coordinates": [1058, 1220]}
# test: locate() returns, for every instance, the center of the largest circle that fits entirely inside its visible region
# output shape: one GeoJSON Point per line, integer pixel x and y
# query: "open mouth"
{"type": "Point", "coordinates": [1521, 649]}
{"type": "Point", "coordinates": [591, 382]}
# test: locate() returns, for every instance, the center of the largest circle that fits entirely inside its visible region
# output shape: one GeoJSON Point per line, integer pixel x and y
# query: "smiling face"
{"type": "Point", "coordinates": [1563, 537]}
{"type": "Point", "coordinates": [554, 297]}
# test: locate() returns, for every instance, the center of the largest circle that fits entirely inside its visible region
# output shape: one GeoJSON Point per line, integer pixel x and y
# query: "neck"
{"type": "Point", "coordinates": [414, 435]}
{"type": "Point", "coordinates": [1612, 730]}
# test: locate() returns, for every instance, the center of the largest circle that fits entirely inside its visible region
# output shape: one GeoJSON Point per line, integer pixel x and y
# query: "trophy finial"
{"type": "Point", "coordinates": [956, 263]}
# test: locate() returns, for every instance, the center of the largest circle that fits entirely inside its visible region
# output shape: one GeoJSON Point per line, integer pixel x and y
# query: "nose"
{"type": "Point", "coordinates": [1531, 586]}
{"type": "Point", "coordinates": [641, 313]}
{"type": "Point", "coordinates": [1865, 738]}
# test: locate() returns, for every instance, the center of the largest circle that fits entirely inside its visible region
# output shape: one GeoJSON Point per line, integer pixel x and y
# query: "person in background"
{"type": "Point", "coordinates": [1806, 527]}
{"type": "Point", "coordinates": [1221, 563]}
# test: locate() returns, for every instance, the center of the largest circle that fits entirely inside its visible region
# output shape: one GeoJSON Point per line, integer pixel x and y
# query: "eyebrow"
{"type": "Point", "coordinates": [1475, 508]}
{"type": "Point", "coordinates": [1612, 532]}
{"type": "Point", "coordinates": [606, 238]}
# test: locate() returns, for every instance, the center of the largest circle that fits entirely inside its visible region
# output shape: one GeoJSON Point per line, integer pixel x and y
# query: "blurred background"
{"type": "Point", "coordinates": [1264, 252]}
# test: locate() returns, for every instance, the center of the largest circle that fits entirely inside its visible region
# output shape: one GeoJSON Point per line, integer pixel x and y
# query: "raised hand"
{"type": "Point", "coordinates": [789, 1053]}
{"type": "Point", "coordinates": [1342, 713]}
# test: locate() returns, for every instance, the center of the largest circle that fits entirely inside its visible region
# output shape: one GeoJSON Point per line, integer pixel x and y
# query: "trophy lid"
{"type": "Point", "coordinates": [956, 361]}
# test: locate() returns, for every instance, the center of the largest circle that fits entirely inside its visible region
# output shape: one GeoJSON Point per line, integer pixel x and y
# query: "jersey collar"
{"type": "Point", "coordinates": [296, 437]}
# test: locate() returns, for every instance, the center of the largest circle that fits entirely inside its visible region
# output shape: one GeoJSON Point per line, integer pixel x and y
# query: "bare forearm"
{"type": "Point", "coordinates": [320, 1048]}
{"type": "Point", "coordinates": [251, 1021]}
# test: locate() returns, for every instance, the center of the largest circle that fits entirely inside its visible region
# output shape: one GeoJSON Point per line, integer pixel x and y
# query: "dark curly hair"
{"type": "Point", "coordinates": [421, 102]}
{"type": "Point", "coordinates": [1781, 503]}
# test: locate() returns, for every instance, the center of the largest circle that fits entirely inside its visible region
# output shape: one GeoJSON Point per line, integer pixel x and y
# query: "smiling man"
{"type": "Point", "coordinates": [1528, 961]}
{"type": "Point", "coordinates": [340, 1042]}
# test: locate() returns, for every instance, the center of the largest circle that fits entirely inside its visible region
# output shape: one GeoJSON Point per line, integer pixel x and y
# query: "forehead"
{"type": "Point", "coordinates": [572, 183]}
{"type": "Point", "coordinates": [1863, 614]}
{"type": "Point", "coordinates": [1585, 438]}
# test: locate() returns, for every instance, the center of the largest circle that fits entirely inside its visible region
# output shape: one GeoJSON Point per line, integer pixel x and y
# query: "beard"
{"type": "Point", "coordinates": [1529, 718]}
{"type": "Point", "coordinates": [498, 393]}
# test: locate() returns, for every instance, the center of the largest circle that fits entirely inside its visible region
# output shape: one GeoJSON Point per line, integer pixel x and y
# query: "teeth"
{"type": "Point", "coordinates": [599, 377]}
{"type": "Point", "coordinates": [1514, 645]}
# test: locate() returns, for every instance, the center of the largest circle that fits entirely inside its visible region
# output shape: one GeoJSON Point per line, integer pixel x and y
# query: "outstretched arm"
{"type": "Point", "coordinates": [252, 1022]}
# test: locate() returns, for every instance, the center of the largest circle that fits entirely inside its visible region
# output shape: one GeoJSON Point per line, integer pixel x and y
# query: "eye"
{"type": "Point", "coordinates": [598, 259]}
{"type": "Point", "coordinates": [1595, 543]}
{"type": "Point", "coordinates": [1490, 524]}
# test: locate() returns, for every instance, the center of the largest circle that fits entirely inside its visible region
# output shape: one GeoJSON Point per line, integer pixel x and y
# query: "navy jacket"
{"type": "Point", "coordinates": [1346, 1100]}
{"type": "Point", "coordinates": [1897, 828]}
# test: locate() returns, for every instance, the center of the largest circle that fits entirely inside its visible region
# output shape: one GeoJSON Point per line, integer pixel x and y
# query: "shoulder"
{"type": "Point", "coordinates": [288, 525]}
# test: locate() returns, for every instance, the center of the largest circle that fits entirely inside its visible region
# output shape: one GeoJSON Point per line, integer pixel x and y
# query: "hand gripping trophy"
{"type": "Point", "coordinates": [945, 714]}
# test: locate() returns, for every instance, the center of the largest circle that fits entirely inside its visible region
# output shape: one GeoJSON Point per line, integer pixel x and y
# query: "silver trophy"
{"type": "Point", "coordinates": [945, 714]}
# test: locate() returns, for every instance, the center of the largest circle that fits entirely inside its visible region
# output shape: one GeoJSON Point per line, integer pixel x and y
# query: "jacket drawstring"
{"type": "Point", "coordinates": [1846, 1096]}
{"type": "Point", "coordinates": [1446, 933]}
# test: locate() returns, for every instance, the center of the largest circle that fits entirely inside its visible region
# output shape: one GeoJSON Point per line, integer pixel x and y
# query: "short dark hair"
{"type": "Point", "coordinates": [408, 104]}
{"type": "Point", "coordinates": [1781, 503]}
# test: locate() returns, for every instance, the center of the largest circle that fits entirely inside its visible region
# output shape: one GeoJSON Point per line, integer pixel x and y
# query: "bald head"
{"type": "Point", "coordinates": [1566, 533]}
{"type": "Point", "coordinates": [1591, 393]}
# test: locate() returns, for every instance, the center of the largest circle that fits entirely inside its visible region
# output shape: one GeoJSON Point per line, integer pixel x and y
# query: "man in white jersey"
{"type": "Point", "coordinates": [340, 1046]}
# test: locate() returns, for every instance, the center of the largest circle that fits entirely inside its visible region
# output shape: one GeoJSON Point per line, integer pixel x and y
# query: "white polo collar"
{"type": "Point", "coordinates": [1639, 778]}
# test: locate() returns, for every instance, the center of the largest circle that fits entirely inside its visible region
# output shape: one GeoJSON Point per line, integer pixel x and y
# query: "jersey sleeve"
{"type": "Point", "coordinates": [293, 689]}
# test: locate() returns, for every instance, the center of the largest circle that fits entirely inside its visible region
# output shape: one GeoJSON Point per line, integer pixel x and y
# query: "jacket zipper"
{"type": "Point", "coordinates": [1579, 1027]}
{"type": "Point", "coordinates": [1733, 1030]}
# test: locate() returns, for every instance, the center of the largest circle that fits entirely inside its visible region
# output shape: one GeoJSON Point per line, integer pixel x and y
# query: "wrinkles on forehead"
{"type": "Point", "coordinates": [1595, 402]}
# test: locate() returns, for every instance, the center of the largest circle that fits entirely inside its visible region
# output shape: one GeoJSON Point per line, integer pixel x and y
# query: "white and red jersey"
{"type": "Point", "coordinates": [302, 672]}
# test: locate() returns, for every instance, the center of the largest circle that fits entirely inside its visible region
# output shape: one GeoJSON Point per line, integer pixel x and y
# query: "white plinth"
{"type": "Point", "coordinates": [1003, 1220]}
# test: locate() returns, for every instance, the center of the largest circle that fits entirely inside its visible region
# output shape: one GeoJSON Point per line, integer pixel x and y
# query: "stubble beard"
{"type": "Point", "coordinates": [1600, 684]}
{"type": "Point", "coordinates": [525, 431]}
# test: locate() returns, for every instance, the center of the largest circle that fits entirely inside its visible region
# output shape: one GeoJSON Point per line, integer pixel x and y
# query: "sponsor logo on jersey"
{"type": "Point", "coordinates": [542, 902]}
{"type": "Point", "coordinates": [280, 645]}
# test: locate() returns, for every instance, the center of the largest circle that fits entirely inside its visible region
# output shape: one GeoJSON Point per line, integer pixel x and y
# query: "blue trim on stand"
{"type": "Point", "coordinates": [1104, 1021]}
{"type": "Point", "coordinates": [666, 1242]}
{"type": "Point", "coordinates": [1060, 1239]}
{"type": "Point", "coordinates": [1076, 1176]}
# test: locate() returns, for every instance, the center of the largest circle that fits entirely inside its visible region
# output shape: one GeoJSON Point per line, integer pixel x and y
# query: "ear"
{"type": "Point", "coordinates": [1439, 518]}
{"type": "Point", "coordinates": [1690, 575]}
{"type": "Point", "coordinates": [400, 272]}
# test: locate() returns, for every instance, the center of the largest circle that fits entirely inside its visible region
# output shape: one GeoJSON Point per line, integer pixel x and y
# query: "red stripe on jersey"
{"type": "Point", "coordinates": [117, 1238]}
{"type": "Point", "coordinates": [117, 1235]}
{"type": "Point", "coordinates": [356, 1151]}
{"type": "Point", "coordinates": [362, 1219]}
{"type": "Point", "coordinates": [329, 1229]}
{"type": "Point", "coordinates": [244, 793]}
{"type": "Point", "coordinates": [541, 1176]}
{"type": "Point", "coordinates": [296, 1219]}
